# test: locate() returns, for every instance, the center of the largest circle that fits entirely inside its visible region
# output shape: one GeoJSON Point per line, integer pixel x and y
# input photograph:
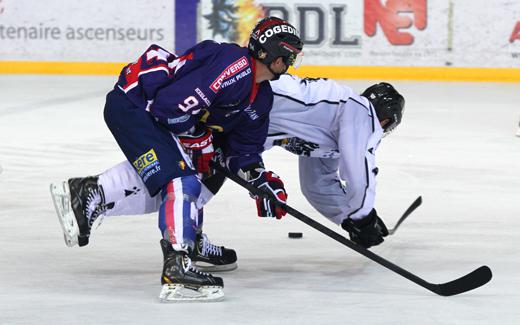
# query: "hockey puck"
{"type": "Point", "coordinates": [295, 235]}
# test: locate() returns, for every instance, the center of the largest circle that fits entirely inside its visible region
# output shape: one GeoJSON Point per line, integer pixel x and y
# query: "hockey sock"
{"type": "Point", "coordinates": [178, 214]}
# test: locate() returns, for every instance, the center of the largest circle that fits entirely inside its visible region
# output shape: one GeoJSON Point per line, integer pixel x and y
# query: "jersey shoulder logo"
{"type": "Point", "coordinates": [229, 72]}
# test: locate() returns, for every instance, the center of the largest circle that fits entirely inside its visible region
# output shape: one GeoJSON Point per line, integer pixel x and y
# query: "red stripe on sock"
{"type": "Point", "coordinates": [170, 216]}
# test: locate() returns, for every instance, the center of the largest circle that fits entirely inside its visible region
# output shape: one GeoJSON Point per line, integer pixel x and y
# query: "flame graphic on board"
{"type": "Point", "coordinates": [248, 14]}
{"type": "Point", "coordinates": [234, 20]}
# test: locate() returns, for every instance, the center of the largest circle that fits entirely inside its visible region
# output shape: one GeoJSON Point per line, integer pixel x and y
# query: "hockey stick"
{"type": "Point", "coordinates": [405, 215]}
{"type": "Point", "coordinates": [468, 282]}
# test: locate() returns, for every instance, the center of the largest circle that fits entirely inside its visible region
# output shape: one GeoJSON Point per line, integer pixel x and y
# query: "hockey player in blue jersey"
{"type": "Point", "coordinates": [163, 111]}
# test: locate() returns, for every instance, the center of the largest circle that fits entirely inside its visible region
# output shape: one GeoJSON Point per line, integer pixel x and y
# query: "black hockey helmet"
{"type": "Point", "coordinates": [274, 37]}
{"type": "Point", "coordinates": [388, 103]}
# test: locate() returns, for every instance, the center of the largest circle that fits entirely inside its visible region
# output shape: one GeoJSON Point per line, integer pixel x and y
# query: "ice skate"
{"type": "Point", "coordinates": [61, 198]}
{"type": "Point", "coordinates": [78, 203]}
{"type": "Point", "coordinates": [184, 283]}
{"type": "Point", "coordinates": [211, 258]}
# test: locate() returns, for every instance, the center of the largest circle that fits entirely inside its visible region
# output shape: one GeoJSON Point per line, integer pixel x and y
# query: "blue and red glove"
{"type": "Point", "coordinates": [273, 185]}
{"type": "Point", "coordinates": [199, 146]}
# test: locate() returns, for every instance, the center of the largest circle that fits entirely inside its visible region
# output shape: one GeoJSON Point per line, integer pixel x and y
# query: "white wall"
{"type": "Point", "coordinates": [93, 30]}
{"type": "Point", "coordinates": [462, 33]}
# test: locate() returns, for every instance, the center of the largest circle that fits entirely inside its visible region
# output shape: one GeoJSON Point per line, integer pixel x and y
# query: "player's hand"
{"type": "Point", "coordinates": [199, 146]}
{"type": "Point", "coordinates": [273, 185]}
{"type": "Point", "coordinates": [368, 231]}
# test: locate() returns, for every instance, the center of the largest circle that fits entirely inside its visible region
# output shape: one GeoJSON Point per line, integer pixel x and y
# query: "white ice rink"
{"type": "Point", "coordinates": [456, 147]}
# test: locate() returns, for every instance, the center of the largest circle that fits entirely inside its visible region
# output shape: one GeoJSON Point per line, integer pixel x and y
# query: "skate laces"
{"type": "Point", "coordinates": [94, 206]}
{"type": "Point", "coordinates": [188, 266]}
{"type": "Point", "coordinates": [98, 215]}
{"type": "Point", "coordinates": [208, 248]}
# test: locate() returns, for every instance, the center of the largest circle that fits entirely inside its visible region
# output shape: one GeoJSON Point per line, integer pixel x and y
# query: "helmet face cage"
{"type": "Point", "coordinates": [272, 38]}
{"type": "Point", "coordinates": [394, 121]}
{"type": "Point", "coordinates": [294, 56]}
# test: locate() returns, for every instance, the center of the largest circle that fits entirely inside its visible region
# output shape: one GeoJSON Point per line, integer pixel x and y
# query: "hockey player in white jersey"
{"type": "Point", "coordinates": [334, 131]}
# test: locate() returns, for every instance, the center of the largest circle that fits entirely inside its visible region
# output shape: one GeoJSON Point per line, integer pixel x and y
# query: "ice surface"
{"type": "Point", "coordinates": [456, 148]}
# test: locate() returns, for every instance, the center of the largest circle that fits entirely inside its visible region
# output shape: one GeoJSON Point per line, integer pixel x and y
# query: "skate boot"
{"type": "Point", "coordinates": [211, 258]}
{"type": "Point", "coordinates": [184, 283]}
{"type": "Point", "coordinates": [78, 202]}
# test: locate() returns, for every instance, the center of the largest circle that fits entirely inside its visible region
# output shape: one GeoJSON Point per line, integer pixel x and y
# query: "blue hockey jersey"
{"type": "Point", "coordinates": [211, 83]}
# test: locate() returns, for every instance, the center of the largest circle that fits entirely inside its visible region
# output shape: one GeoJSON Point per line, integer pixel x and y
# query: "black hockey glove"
{"type": "Point", "coordinates": [273, 185]}
{"type": "Point", "coordinates": [366, 232]}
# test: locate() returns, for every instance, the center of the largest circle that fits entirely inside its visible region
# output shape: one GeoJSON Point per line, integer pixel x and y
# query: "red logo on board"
{"type": "Point", "coordinates": [392, 21]}
{"type": "Point", "coordinates": [516, 33]}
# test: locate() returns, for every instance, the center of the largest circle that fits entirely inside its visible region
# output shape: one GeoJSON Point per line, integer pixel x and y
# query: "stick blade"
{"type": "Point", "coordinates": [470, 281]}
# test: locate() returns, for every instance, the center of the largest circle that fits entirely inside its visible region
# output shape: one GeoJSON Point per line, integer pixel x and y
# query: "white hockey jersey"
{"type": "Point", "coordinates": [319, 118]}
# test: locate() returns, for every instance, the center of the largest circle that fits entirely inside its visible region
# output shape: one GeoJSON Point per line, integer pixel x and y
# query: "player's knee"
{"type": "Point", "coordinates": [305, 189]}
{"type": "Point", "coordinates": [108, 109]}
{"type": "Point", "coordinates": [191, 187]}
{"type": "Point", "coordinates": [115, 106]}
{"type": "Point", "coordinates": [186, 188]}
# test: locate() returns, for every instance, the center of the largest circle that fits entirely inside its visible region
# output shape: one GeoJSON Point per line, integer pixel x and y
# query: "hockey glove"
{"type": "Point", "coordinates": [199, 146]}
{"type": "Point", "coordinates": [272, 184]}
{"type": "Point", "coordinates": [368, 231]}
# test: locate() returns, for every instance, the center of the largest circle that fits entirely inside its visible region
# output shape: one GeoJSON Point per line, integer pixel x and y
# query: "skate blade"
{"type": "Point", "coordinates": [60, 197]}
{"type": "Point", "coordinates": [208, 267]}
{"type": "Point", "coordinates": [179, 293]}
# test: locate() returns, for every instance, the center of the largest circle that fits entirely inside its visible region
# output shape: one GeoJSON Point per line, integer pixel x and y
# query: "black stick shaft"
{"type": "Point", "coordinates": [405, 215]}
{"type": "Point", "coordinates": [436, 288]}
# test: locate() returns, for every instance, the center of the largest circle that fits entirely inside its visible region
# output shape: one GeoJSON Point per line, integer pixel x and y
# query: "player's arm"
{"type": "Point", "coordinates": [388, 105]}
{"type": "Point", "coordinates": [243, 150]}
{"type": "Point", "coordinates": [357, 143]}
{"type": "Point", "coordinates": [178, 106]}
{"type": "Point", "coordinates": [151, 71]}
{"type": "Point", "coordinates": [360, 135]}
